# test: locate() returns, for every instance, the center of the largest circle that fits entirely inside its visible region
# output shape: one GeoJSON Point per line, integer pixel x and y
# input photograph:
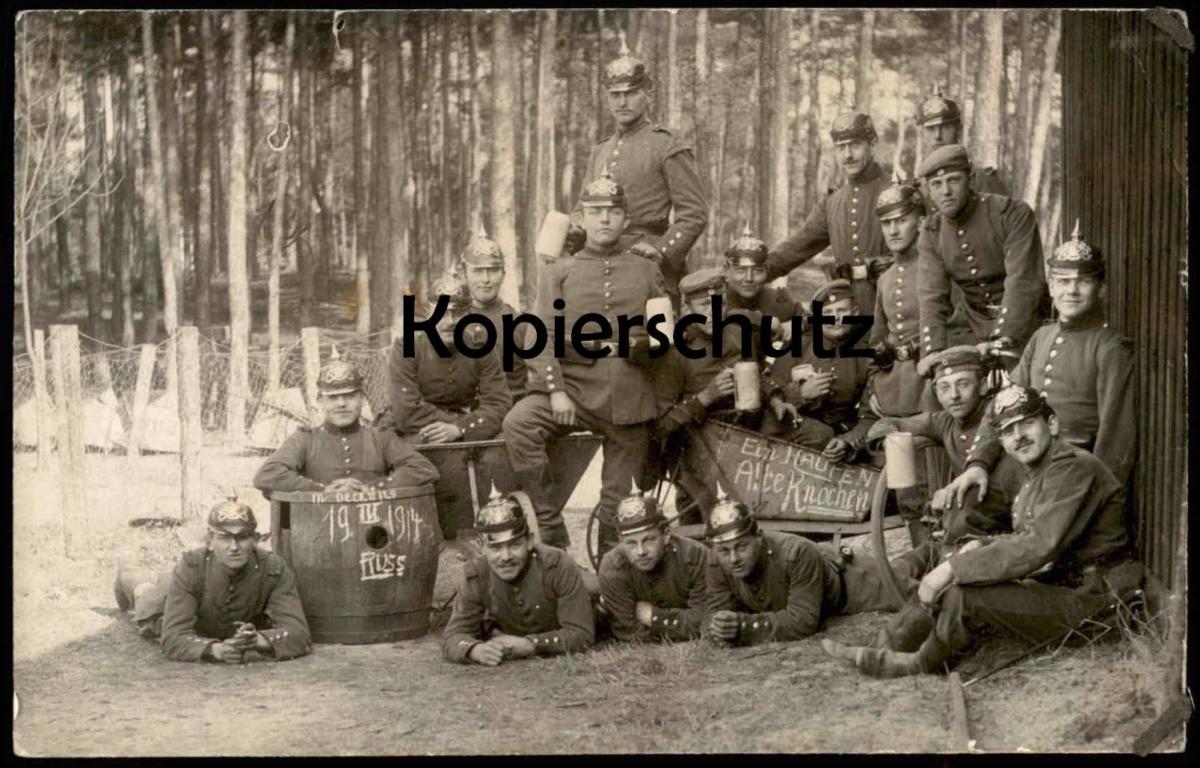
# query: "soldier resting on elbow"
{"type": "Point", "coordinates": [519, 598]}
{"type": "Point", "coordinates": [342, 455]}
{"type": "Point", "coordinates": [1067, 557]}
{"type": "Point", "coordinates": [652, 584]}
{"type": "Point", "coordinates": [764, 585]}
{"type": "Point", "coordinates": [224, 601]}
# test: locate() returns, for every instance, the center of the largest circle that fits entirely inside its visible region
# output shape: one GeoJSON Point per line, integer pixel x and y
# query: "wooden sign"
{"type": "Point", "coordinates": [781, 481]}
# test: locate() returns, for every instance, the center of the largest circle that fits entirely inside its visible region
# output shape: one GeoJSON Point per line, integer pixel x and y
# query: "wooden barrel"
{"type": "Point", "coordinates": [365, 563]}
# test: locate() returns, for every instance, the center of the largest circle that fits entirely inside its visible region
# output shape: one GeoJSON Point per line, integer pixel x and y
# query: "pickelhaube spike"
{"type": "Point", "coordinates": [495, 494]}
{"type": "Point", "coordinates": [335, 355]}
{"type": "Point", "coordinates": [625, 72]}
{"type": "Point", "coordinates": [624, 46]}
{"type": "Point", "coordinates": [1077, 254]}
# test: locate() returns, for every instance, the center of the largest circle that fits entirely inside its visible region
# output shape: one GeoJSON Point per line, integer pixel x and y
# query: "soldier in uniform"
{"type": "Point", "coordinates": [482, 267]}
{"type": "Point", "coordinates": [845, 219]}
{"type": "Point", "coordinates": [223, 601]}
{"type": "Point", "coordinates": [656, 169]}
{"type": "Point", "coordinates": [986, 245]}
{"type": "Point", "coordinates": [746, 282]}
{"type": "Point", "coordinates": [653, 584]}
{"type": "Point", "coordinates": [764, 585]}
{"type": "Point", "coordinates": [941, 124]}
{"type": "Point", "coordinates": [691, 391]}
{"type": "Point", "coordinates": [1083, 368]}
{"type": "Point", "coordinates": [612, 396]}
{"type": "Point", "coordinates": [343, 454]}
{"type": "Point", "coordinates": [519, 598]}
{"type": "Point", "coordinates": [826, 391]}
{"type": "Point", "coordinates": [958, 374]}
{"type": "Point", "coordinates": [1068, 552]}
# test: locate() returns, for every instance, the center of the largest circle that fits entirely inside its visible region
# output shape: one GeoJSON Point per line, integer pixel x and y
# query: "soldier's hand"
{"type": "Point", "coordinates": [836, 449]}
{"type": "Point", "coordinates": [723, 626]}
{"type": "Point", "coordinates": [562, 408]}
{"type": "Point", "coordinates": [346, 485]}
{"type": "Point", "coordinates": [721, 385]}
{"type": "Point", "coordinates": [440, 432]}
{"type": "Point", "coordinates": [817, 386]}
{"type": "Point", "coordinates": [781, 330]}
{"type": "Point", "coordinates": [972, 544]}
{"type": "Point", "coordinates": [515, 647]}
{"type": "Point", "coordinates": [646, 251]}
{"type": "Point", "coordinates": [971, 477]}
{"type": "Point", "coordinates": [881, 429]}
{"type": "Point", "coordinates": [228, 653]}
{"type": "Point", "coordinates": [643, 612]}
{"type": "Point", "coordinates": [783, 410]}
{"type": "Point", "coordinates": [934, 582]}
{"type": "Point", "coordinates": [488, 654]}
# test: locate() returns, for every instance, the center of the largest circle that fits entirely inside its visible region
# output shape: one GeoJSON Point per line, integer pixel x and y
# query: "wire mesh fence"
{"type": "Point", "coordinates": [109, 379]}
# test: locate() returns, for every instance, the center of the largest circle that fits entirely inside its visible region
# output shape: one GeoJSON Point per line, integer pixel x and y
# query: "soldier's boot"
{"type": "Point", "coordinates": [552, 530]}
{"type": "Point", "coordinates": [907, 629]}
{"type": "Point", "coordinates": [129, 579]}
{"type": "Point", "coordinates": [883, 663]}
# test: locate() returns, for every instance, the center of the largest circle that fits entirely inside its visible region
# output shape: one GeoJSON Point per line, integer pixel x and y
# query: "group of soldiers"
{"type": "Point", "coordinates": [1035, 417]}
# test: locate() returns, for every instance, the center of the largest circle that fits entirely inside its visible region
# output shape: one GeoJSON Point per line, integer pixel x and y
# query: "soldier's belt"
{"type": "Point", "coordinates": [572, 355]}
{"type": "Point", "coordinates": [907, 351]}
{"type": "Point", "coordinates": [654, 228]}
{"type": "Point", "coordinates": [850, 272]}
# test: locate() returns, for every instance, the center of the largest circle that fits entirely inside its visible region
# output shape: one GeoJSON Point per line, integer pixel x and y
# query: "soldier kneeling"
{"type": "Point", "coordinates": [223, 601]}
{"type": "Point", "coordinates": [520, 598]}
{"type": "Point", "coordinates": [652, 584]}
{"type": "Point", "coordinates": [767, 585]}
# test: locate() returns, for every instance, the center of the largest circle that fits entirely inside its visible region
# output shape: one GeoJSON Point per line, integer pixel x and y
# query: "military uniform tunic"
{"type": "Point", "coordinates": [839, 408]}
{"type": "Point", "coordinates": [897, 391]}
{"type": "Point", "coordinates": [658, 172]}
{"type": "Point", "coordinates": [993, 252]}
{"type": "Point", "coordinates": [794, 585]}
{"type": "Point", "coordinates": [310, 459]}
{"type": "Point", "coordinates": [1085, 370]}
{"type": "Point", "coordinates": [845, 222]}
{"type": "Point", "coordinates": [205, 598]}
{"type": "Point", "coordinates": [516, 377]}
{"type": "Point", "coordinates": [547, 604]}
{"type": "Point", "coordinates": [675, 589]}
{"type": "Point", "coordinates": [470, 393]}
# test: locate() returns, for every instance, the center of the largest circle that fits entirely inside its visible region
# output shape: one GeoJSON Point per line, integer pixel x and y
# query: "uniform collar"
{"type": "Point", "coordinates": [342, 431]}
{"type": "Point", "coordinates": [497, 306]}
{"type": "Point", "coordinates": [625, 133]}
{"type": "Point", "coordinates": [907, 255]}
{"type": "Point", "coordinates": [1056, 449]}
{"type": "Point", "coordinates": [591, 251]}
{"type": "Point", "coordinates": [868, 174]}
{"type": "Point", "coordinates": [968, 210]}
{"type": "Point", "coordinates": [975, 417]}
{"type": "Point", "coordinates": [1093, 318]}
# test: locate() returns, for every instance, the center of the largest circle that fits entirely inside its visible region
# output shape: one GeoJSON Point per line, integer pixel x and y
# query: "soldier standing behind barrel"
{"type": "Point", "coordinates": [657, 170]}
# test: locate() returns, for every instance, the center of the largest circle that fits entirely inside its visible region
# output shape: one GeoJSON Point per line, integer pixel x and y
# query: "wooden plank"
{"type": "Point", "coordinates": [45, 411]}
{"type": "Point", "coordinates": [141, 398]}
{"type": "Point", "coordinates": [1175, 715]}
{"type": "Point", "coordinates": [64, 344]}
{"type": "Point", "coordinates": [310, 340]}
{"type": "Point", "coordinates": [959, 729]}
{"type": "Point", "coordinates": [190, 427]}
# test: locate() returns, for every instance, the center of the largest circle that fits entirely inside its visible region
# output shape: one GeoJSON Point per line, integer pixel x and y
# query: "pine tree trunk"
{"type": "Point", "coordinates": [92, 206]}
{"type": "Point", "coordinates": [812, 190]}
{"type": "Point", "coordinates": [674, 100]}
{"type": "Point", "coordinates": [503, 166]}
{"type": "Point", "coordinates": [543, 183]}
{"type": "Point", "coordinates": [1019, 137]}
{"type": "Point", "coordinates": [202, 179]}
{"type": "Point", "coordinates": [382, 72]}
{"type": "Point", "coordinates": [479, 158]}
{"type": "Point", "coordinates": [62, 230]}
{"type": "Point", "coordinates": [239, 282]}
{"type": "Point", "coordinates": [279, 217]}
{"type": "Point", "coordinates": [167, 243]}
{"type": "Point", "coordinates": [362, 263]}
{"type": "Point", "coordinates": [779, 171]}
{"type": "Point", "coordinates": [400, 185]}
{"type": "Point", "coordinates": [866, 57]}
{"type": "Point", "coordinates": [172, 152]}
{"type": "Point", "coordinates": [985, 142]}
{"type": "Point", "coordinates": [1041, 121]}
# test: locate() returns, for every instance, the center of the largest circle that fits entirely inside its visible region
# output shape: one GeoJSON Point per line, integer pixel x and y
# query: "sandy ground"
{"type": "Point", "coordinates": [88, 686]}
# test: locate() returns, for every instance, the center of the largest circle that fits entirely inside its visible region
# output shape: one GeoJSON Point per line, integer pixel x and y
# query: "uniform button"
{"type": "Point", "coordinates": [925, 329]}
{"type": "Point", "coordinates": [899, 326]}
{"type": "Point", "coordinates": [607, 285]}
{"type": "Point", "coordinates": [1054, 353]}
{"type": "Point", "coordinates": [963, 438]}
{"type": "Point", "coordinates": [856, 247]}
{"type": "Point", "coordinates": [899, 316]}
{"type": "Point", "coordinates": [854, 236]}
{"type": "Point", "coordinates": [1049, 367]}
{"type": "Point", "coordinates": [1059, 340]}
{"type": "Point", "coordinates": [616, 152]}
{"type": "Point", "coordinates": [974, 270]}
{"type": "Point", "coordinates": [853, 210]}
{"type": "Point", "coordinates": [855, 190]}
{"type": "Point", "coordinates": [963, 246]}
{"type": "Point", "coordinates": [854, 222]}
{"type": "Point", "coordinates": [899, 292]}
{"type": "Point", "coordinates": [1047, 383]}
{"type": "Point", "coordinates": [345, 447]}
{"type": "Point", "coordinates": [899, 281]}
{"type": "Point", "coordinates": [970, 258]}
{"type": "Point", "coordinates": [1004, 310]}
{"type": "Point", "coordinates": [347, 459]}
{"type": "Point", "coordinates": [961, 233]}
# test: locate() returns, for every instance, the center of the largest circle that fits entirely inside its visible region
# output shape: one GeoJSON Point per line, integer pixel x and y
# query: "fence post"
{"type": "Point", "coordinates": [42, 397]}
{"type": "Point", "coordinates": [141, 397]}
{"type": "Point", "coordinates": [64, 343]}
{"type": "Point", "coordinates": [189, 423]}
{"type": "Point", "coordinates": [310, 340]}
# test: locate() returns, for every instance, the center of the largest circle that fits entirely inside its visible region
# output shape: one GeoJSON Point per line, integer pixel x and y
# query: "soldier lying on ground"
{"type": "Point", "coordinates": [652, 585]}
{"type": "Point", "coordinates": [826, 391]}
{"type": "Point", "coordinates": [1068, 556]}
{"type": "Point", "coordinates": [342, 455]}
{"type": "Point", "coordinates": [223, 601]}
{"type": "Point", "coordinates": [520, 598]}
{"type": "Point", "coordinates": [765, 586]}
{"type": "Point", "coordinates": [1082, 367]}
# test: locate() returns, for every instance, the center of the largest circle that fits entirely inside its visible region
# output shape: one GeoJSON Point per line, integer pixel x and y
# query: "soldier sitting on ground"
{"type": "Point", "coordinates": [223, 601]}
{"type": "Point", "coordinates": [764, 585]}
{"type": "Point", "coordinates": [342, 455]}
{"type": "Point", "coordinates": [1067, 558]}
{"type": "Point", "coordinates": [519, 598]}
{"type": "Point", "coordinates": [652, 585]}
{"type": "Point", "coordinates": [826, 391]}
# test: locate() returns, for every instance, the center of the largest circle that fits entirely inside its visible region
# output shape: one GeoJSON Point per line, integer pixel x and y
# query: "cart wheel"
{"type": "Point", "coordinates": [878, 509]}
{"type": "Point", "coordinates": [592, 542]}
